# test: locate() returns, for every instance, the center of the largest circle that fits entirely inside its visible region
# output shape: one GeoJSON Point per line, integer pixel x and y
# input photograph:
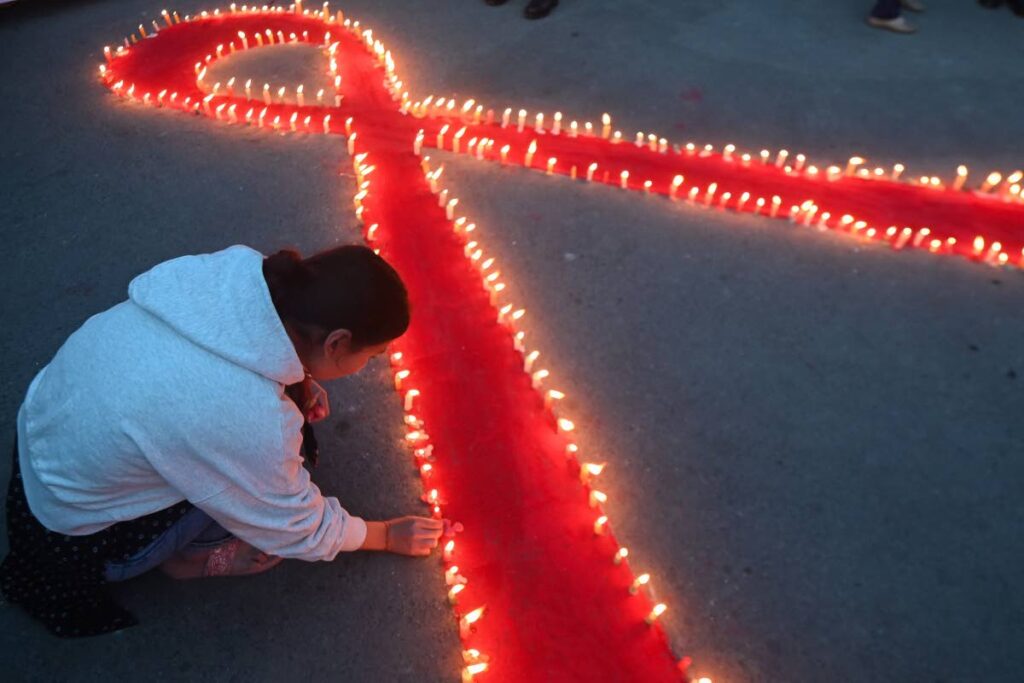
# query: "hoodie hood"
{"type": "Point", "coordinates": [221, 303]}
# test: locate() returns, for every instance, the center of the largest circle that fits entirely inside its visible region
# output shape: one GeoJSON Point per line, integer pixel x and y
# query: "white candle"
{"type": "Point", "coordinates": [676, 182]}
{"type": "Point", "coordinates": [300, 96]}
{"type": "Point", "coordinates": [606, 125]}
{"type": "Point", "coordinates": [658, 610]}
{"type": "Point", "coordinates": [466, 622]}
{"type": "Point", "coordinates": [573, 129]}
{"type": "Point", "coordinates": [551, 165]}
{"type": "Point", "coordinates": [991, 181]}
{"type": "Point", "coordinates": [440, 136]}
{"type": "Point", "coordinates": [450, 208]}
{"type": "Point", "coordinates": [457, 139]}
{"type": "Point", "coordinates": [851, 166]}
{"type": "Point", "coordinates": [418, 143]}
{"type": "Point", "coordinates": [620, 555]}
{"type": "Point", "coordinates": [410, 398]}
{"type": "Point", "coordinates": [522, 120]}
{"type": "Point", "coordinates": [764, 156]}
{"type": "Point", "coordinates": [780, 159]}
{"type": "Point", "coordinates": [539, 123]}
{"type": "Point", "coordinates": [638, 583]}
{"type": "Point", "coordinates": [504, 154]}
{"type": "Point", "coordinates": [624, 180]}
{"type": "Point", "coordinates": [530, 151]}
{"type": "Point", "coordinates": [590, 171]}
{"type": "Point", "coordinates": [601, 525]}
{"type": "Point", "coordinates": [557, 128]}
{"type": "Point", "coordinates": [776, 203]}
{"type": "Point", "coordinates": [506, 117]}
{"type": "Point", "coordinates": [266, 93]}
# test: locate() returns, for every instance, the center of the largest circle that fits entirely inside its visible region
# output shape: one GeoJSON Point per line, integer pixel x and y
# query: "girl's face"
{"type": "Point", "coordinates": [336, 358]}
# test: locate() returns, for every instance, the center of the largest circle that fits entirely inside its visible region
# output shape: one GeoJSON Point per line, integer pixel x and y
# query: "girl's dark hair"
{"type": "Point", "coordinates": [347, 287]}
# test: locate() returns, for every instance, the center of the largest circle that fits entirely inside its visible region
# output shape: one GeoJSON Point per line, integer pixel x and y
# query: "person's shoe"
{"type": "Point", "coordinates": [912, 5]}
{"type": "Point", "coordinates": [1017, 7]}
{"type": "Point", "coordinates": [897, 25]}
{"type": "Point", "coordinates": [538, 9]}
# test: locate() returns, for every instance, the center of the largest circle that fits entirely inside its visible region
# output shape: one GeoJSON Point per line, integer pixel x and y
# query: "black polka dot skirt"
{"type": "Point", "coordinates": [58, 579]}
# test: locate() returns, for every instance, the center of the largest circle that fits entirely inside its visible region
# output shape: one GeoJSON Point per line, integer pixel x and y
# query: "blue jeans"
{"type": "Point", "coordinates": [195, 529]}
{"type": "Point", "coordinates": [886, 9]}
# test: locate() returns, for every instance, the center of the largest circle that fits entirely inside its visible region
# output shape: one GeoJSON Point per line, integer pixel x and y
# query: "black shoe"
{"type": "Point", "coordinates": [1017, 6]}
{"type": "Point", "coordinates": [538, 9]}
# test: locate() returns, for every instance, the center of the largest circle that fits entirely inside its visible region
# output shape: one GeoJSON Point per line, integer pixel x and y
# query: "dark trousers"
{"type": "Point", "coordinates": [886, 9]}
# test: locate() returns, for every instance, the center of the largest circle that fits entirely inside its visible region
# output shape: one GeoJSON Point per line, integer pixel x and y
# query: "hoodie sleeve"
{"type": "Point", "coordinates": [265, 496]}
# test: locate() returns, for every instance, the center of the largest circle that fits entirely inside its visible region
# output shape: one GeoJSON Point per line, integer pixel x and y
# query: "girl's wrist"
{"type": "Point", "coordinates": [376, 536]}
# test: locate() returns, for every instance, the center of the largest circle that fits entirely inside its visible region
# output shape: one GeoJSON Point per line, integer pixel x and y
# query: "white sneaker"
{"type": "Point", "coordinates": [897, 25]}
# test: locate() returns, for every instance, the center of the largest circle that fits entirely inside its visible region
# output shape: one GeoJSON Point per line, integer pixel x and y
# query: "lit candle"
{"type": "Point", "coordinates": [920, 236]}
{"type": "Point", "coordinates": [897, 171]}
{"type": "Point", "coordinates": [418, 143]}
{"type": "Point", "coordinates": [800, 161]}
{"type": "Point", "coordinates": [506, 117]}
{"type": "Point", "coordinates": [551, 165]}
{"type": "Point", "coordinates": [652, 142]}
{"type": "Point", "coordinates": [588, 129]}
{"type": "Point", "coordinates": [530, 151]}
{"type": "Point", "coordinates": [638, 583]}
{"type": "Point", "coordinates": [450, 208]}
{"type": "Point", "coordinates": [723, 200]}
{"type": "Point", "coordinates": [624, 180]}
{"type": "Point", "coordinates": [764, 156]}
{"type": "Point", "coordinates": [601, 525]}
{"type": "Point", "coordinates": [728, 152]}
{"type": "Point", "coordinates": [504, 154]}
{"type": "Point", "coordinates": [904, 237]}
{"type": "Point", "coordinates": [539, 125]}
{"type": "Point", "coordinates": [606, 125]}
{"type": "Point", "coordinates": [457, 139]}
{"type": "Point", "coordinates": [647, 186]}
{"type": "Point", "coordinates": [410, 397]}
{"type": "Point", "coordinates": [745, 159]}
{"type": "Point", "coordinates": [589, 470]}
{"type": "Point", "coordinates": [281, 93]}
{"type": "Point", "coordinates": [565, 425]}
{"type": "Point", "coordinates": [551, 396]}
{"type": "Point", "coordinates": [530, 360]}
{"type": "Point", "coordinates": [400, 376]}
{"type": "Point", "coordinates": [472, 670]}
{"type": "Point", "coordinates": [538, 377]}
{"type": "Point", "coordinates": [522, 121]}
{"type": "Point", "coordinates": [352, 143]}
{"type": "Point", "coordinates": [348, 125]}
{"type": "Point", "coordinates": [676, 182]}
{"type": "Point", "coordinates": [743, 200]}
{"type": "Point", "coordinates": [780, 159]}
{"type": "Point", "coordinates": [658, 610]}
{"type": "Point", "coordinates": [292, 121]}
{"type": "Point", "coordinates": [467, 621]}
{"type": "Point", "coordinates": [557, 127]}
{"type": "Point", "coordinates": [440, 136]}
{"type": "Point", "coordinates": [710, 194]}
{"type": "Point", "coordinates": [691, 196]}
{"type": "Point", "coordinates": [167, 17]}
{"type": "Point", "coordinates": [590, 171]}
{"type": "Point", "coordinates": [991, 181]}
{"type": "Point", "coordinates": [300, 96]}
{"type": "Point", "coordinates": [776, 203]}
{"type": "Point", "coordinates": [449, 548]}
{"type": "Point", "coordinates": [453, 593]}
{"type": "Point", "coordinates": [616, 137]}
{"type": "Point", "coordinates": [266, 93]}
{"type": "Point", "coordinates": [620, 555]}
{"type": "Point", "coordinates": [852, 164]}
{"type": "Point", "coordinates": [574, 129]}
{"type": "Point", "coordinates": [597, 498]}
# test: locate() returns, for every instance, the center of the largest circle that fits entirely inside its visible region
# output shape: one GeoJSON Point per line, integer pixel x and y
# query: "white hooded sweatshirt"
{"type": "Point", "coordinates": [178, 394]}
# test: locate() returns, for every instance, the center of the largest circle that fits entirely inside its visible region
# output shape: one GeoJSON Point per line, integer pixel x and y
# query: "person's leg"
{"type": "Point", "coordinates": [194, 526]}
{"type": "Point", "coordinates": [537, 9]}
{"type": "Point", "coordinates": [886, 9]}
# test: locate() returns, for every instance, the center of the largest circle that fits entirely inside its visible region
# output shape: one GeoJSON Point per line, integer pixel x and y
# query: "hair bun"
{"type": "Point", "coordinates": [286, 267]}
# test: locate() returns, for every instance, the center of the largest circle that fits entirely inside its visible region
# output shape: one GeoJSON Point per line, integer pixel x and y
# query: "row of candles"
{"type": "Point", "coordinates": [418, 439]}
{"type": "Point", "coordinates": [807, 213]}
{"type": "Point", "coordinates": [508, 315]}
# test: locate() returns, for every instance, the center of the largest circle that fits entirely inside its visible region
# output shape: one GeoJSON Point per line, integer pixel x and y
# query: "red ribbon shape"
{"type": "Point", "coordinates": [492, 454]}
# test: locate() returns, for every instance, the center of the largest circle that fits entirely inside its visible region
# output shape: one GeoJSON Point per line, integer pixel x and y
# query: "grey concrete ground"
{"type": "Point", "coordinates": [816, 449]}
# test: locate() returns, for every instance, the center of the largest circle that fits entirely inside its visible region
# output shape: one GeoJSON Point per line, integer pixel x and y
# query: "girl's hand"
{"type": "Point", "coordinates": [415, 536]}
{"type": "Point", "coordinates": [319, 405]}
